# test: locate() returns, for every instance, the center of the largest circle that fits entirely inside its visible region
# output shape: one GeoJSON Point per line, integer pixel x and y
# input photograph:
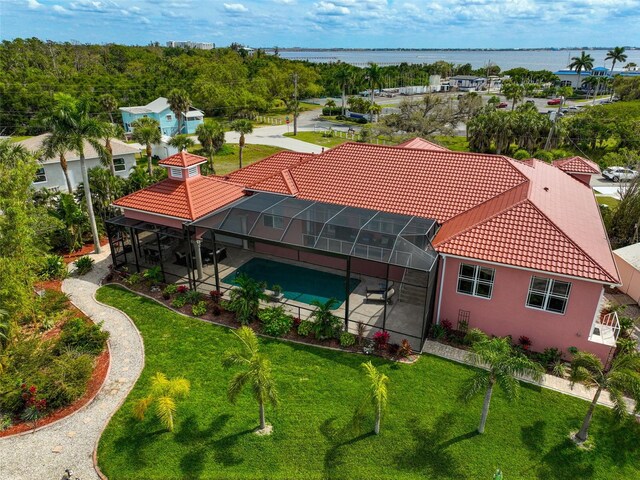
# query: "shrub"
{"type": "Point", "coordinates": [347, 339]}
{"type": "Point", "coordinates": [216, 310]}
{"type": "Point", "coordinates": [153, 275]}
{"type": "Point", "coordinates": [275, 321]}
{"type": "Point", "coordinates": [521, 155]}
{"type": "Point", "coordinates": [304, 329]}
{"type": "Point", "coordinates": [82, 336]}
{"type": "Point", "coordinates": [330, 111]}
{"type": "Point", "coordinates": [325, 323]}
{"type": "Point", "coordinates": [245, 298]}
{"type": "Point", "coordinates": [572, 350]}
{"type": "Point", "coordinates": [550, 356]}
{"type": "Point", "coordinates": [193, 297]}
{"type": "Point", "coordinates": [381, 339]}
{"type": "Point", "coordinates": [53, 268]}
{"type": "Point", "coordinates": [524, 342]}
{"type": "Point", "coordinates": [216, 295]}
{"type": "Point", "coordinates": [405, 349]}
{"type": "Point", "coordinates": [626, 325]}
{"type": "Point", "coordinates": [447, 325]}
{"type": "Point", "coordinates": [5, 422]}
{"type": "Point", "coordinates": [543, 155]}
{"type": "Point", "coordinates": [277, 290]}
{"type": "Point", "coordinates": [362, 120]}
{"type": "Point", "coordinates": [133, 279]}
{"type": "Point", "coordinates": [84, 265]}
{"type": "Point", "coordinates": [67, 378]}
{"type": "Point", "coordinates": [626, 345]}
{"type": "Point", "coordinates": [438, 332]}
{"type": "Point", "coordinates": [559, 369]}
{"type": "Point", "coordinates": [170, 289]}
{"type": "Point", "coordinates": [199, 308]}
{"type": "Point", "coordinates": [182, 289]}
{"type": "Point", "coordinates": [296, 322]}
{"type": "Point", "coordinates": [53, 301]}
{"type": "Point", "coordinates": [179, 302]}
{"type": "Point", "coordinates": [393, 348]}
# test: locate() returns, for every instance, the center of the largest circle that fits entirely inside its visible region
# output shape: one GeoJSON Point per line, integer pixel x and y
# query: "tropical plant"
{"type": "Point", "coordinates": [153, 275]}
{"type": "Point", "coordinates": [343, 77]}
{"type": "Point", "coordinates": [405, 349]}
{"type": "Point", "coordinates": [244, 299]}
{"type": "Point", "coordinates": [163, 395]}
{"type": "Point", "coordinates": [325, 323]}
{"type": "Point", "coordinates": [146, 130]}
{"type": "Point", "coordinates": [582, 63]}
{"type": "Point", "coordinates": [305, 327]}
{"type": "Point", "coordinates": [74, 219]}
{"type": "Point", "coordinates": [181, 141]}
{"type": "Point", "coordinates": [84, 265]}
{"type": "Point", "coordinates": [70, 122]}
{"type": "Point", "coordinates": [242, 127]}
{"type": "Point", "coordinates": [179, 103]}
{"type": "Point", "coordinates": [616, 54]}
{"type": "Point", "coordinates": [513, 91]}
{"type": "Point", "coordinates": [53, 268]}
{"type": "Point", "coordinates": [373, 73]}
{"type": "Point", "coordinates": [347, 339]}
{"type": "Point", "coordinates": [211, 137]}
{"type": "Point", "coordinates": [378, 394]}
{"type": "Point", "coordinates": [109, 131]}
{"type": "Point", "coordinates": [381, 339]}
{"type": "Point", "coordinates": [199, 308]}
{"type": "Point", "coordinates": [499, 364]}
{"type": "Point", "coordinates": [275, 321]}
{"type": "Point", "coordinates": [256, 372]}
{"type": "Point", "coordinates": [58, 146]}
{"type": "Point", "coordinates": [620, 377]}
{"type": "Point", "coordinates": [83, 336]}
{"type": "Point", "coordinates": [109, 104]}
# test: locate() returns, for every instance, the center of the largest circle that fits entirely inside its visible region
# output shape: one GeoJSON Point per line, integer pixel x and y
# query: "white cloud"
{"type": "Point", "coordinates": [285, 2]}
{"type": "Point", "coordinates": [33, 4]}
{"type": "Point", "coordinates": [144, 20]}
{"type": "Point", "coordinates": [235, 7]}
{"type": "Point", "coordinates": [330, 8]}
{"type": "Point", "coordinates": [60, 10]}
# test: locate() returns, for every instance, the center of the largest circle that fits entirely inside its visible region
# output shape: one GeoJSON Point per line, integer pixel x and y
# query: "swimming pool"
{"type": "Point", "coordinates": [298, 283]}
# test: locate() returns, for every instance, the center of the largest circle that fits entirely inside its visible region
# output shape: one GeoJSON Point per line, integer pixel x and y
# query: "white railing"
{"type": "Point", "coordinates": [605, 329]}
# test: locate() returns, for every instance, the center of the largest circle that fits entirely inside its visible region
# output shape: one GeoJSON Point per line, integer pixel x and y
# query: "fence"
{"type": "Point", "coordinates": [347, 135]}
{"type": "Point", "coordinates": [262, 119]}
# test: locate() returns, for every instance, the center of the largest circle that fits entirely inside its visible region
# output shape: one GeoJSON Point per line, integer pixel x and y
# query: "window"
{"type": "Point", "coordinates": [193, 171]}
{"type": "Point", "coordinates": [176, 172]}
{"type": "Point", "coordinates": [41, 177]}
{"type": "Point", "coordinates": [475, 280]}
{"type": "Point", "coordinates": [273, 221]}
{"type": "Point", "coordinates": [168, 118]}
{"type": "Point", "coordinates": [119, 164]}
{"type": "Point", "coordinates": [547, 294]}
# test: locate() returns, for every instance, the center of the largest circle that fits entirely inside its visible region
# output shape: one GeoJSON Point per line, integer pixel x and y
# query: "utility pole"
{"type": "Point", "coordinates": [295, 104]}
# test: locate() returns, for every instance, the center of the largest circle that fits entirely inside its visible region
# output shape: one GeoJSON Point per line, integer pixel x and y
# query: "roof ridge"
{"type": "Point", "coordinates": [187, 192]}
{"type": "Point", "coordinates": [302, 161]}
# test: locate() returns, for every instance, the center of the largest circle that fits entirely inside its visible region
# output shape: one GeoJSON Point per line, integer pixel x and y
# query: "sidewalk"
{"type": "Point", "coordinates": [69, 443]}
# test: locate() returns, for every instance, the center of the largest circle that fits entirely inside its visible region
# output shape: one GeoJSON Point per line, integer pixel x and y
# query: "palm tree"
{"type": "Point", "coordinates": [181, 142]}
{"type": "Point", "coordinates": [110, 130]}
{"type": "Point", "coordinates": [163, 395]}
{"type": "Point", "coordinates": [583, 62]}
{"type": "Point", "coordinates": [499, 364]}
{"type": "Point", "coordinates": [146, 130]}
{"type": "Point", "coordinates": [374, 74]}
{"type": "Point", "coordinates": [513, 91]}
{"type": "Point", "coordinates": [245, 298]}
{"type": "Point", "coordinates": [377, 392]}
{"type": "Point", "coordinates": [257, 372]}
{"type": "Point", "coordinates": [56, 146]}
{"type": "Point", "coordinates": [621, 377]}
{"type": "Point", "coordinates": [325, 323]}
{"type": "Point", "coordinates": [180, 104]}
{"type": "Point", "coordinates": [109, 104]}
{"type": "Point", "coordinates": [211, 137]}
{"type": "Point", "coordinates": [616, 55]}
{"type": "Point", "coordinates": [242, 127]}
{"type": "Point", "coordinates": [71, 121]}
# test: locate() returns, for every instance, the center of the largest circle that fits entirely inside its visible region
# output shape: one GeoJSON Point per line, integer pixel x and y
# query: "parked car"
{"type": "Point", "coordinates": [502, 105]}
{"type": "Point", "coordinates": [554, 101]}
{"type": "Point", "coordinates": [617, 174]}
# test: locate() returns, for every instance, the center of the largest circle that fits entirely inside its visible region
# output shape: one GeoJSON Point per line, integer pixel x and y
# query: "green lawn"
{"type": "Point", "coordinates": [608, 201]}
{"type": "Point", "coordinates": [20, 138]}
{"type": "Point", "coordinates": [455, 143]}
{"type": "Point", "coordinates": [426, 434]}
{"type": "Point", "coordinates": [318, 139]}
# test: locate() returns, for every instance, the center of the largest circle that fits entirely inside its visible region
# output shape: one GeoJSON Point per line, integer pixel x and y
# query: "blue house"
{"type": "Point", "coordinates": [160, 110]}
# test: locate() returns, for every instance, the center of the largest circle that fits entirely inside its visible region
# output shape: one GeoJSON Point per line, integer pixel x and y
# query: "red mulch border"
{"type": "Point", "coordinates": [95, 384]}
{"type": "Point", "coordinates": [85, 250]}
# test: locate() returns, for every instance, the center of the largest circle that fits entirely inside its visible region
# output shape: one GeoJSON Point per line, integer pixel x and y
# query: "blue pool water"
{"type": "Point", "coordinates": [298, 283]}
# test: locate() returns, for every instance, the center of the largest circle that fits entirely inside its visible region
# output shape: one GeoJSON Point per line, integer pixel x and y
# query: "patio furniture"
{"type": "Point", "coordinates": [379, 295]}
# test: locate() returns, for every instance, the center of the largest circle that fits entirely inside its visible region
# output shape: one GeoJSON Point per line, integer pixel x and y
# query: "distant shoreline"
{"type": "Point", "coordinates": [559, 49]}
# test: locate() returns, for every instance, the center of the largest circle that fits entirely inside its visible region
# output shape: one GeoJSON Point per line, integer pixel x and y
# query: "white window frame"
{"type": "Point", "coordinates": [169, 118]}
{"type": "Point", "coordinates": [273, 222]}
{"type": "Point", "coordinates": [40, 173]}
{"type": "Point", "coordinates": [193, 171]}
{"type": "Point", "coordinates": [476, 280]}
{"type": "Point", "coordinates": [176, 172]}
{"type": "Point", "coordinates": [119, 164]}
{"type": "Point", "coordinates": [548, 294]}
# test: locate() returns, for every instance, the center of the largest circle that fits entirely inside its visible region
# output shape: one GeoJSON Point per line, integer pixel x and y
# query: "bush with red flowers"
{"type": "Point", "coordinates": [216, 295]}
{"type": "Point", "coordinates": [34, 407]}
{"type": "Point", "coordinates": [182, 289]}
{"type": "Point", "coordinates": [447, 325]}
{"type": "Point", "coordinates": [525, 342]}
{"type": "Point", "coordinates": [381, 340]}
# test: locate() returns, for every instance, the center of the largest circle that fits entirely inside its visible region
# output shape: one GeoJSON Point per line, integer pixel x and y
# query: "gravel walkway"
{"type": "Point", "coordinates": [69, 443]}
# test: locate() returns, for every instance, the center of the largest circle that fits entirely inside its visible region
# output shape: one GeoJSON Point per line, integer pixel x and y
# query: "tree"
{"type": "Point", "coordinates": [513, 91]}
{"type": "Point", "coordinates": [242, 127]}
{"type": "Point", "coordinates": [179, 103]}
{"type": "Point", "coordinates": [181, 141]}
{"type": "Point", "coordinates": [146, 130]}
{"type": "Point", "coordinates": [499, 364]}
{"type": "Point", "coordinates": [109, 104]}
{"type": "Point", "coordinates": [616, 55]}
{"type": "Point", "coordinates": [256, 373]}
{"type": "Point", "coordinates": [377, 392]}
{"type": "Point", "coordinates": [343, 76]}
{"type": "Point", "coordinates": [110, 130]}
{"type": "Point", "coordinates": [73, 218]}
{"type": "Point", "coordinates": [325, 323]}
{"type": "Point", "coordinates": [582, 63]}
{"type": "Point", "coordinates": [70, 121]}
{"type": "Point", "coordinates": [622, 376]}
{"type": "Point", "coordinates": [245, 298]}
{"type": "Point", "coordinates": [211, 137]}
{"type": "Point", "coordinates": [163, 396]}
{"type": "Point", "coordinates": [56, 146]}
{"type": "Point", "coordinates": [374, 75]}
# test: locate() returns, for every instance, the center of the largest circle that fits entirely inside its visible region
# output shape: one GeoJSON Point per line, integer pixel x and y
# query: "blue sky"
{"type": "Point", "coordinates": [329, 23]}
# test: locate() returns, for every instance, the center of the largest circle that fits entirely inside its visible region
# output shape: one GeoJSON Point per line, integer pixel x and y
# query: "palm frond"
{"type": "Point", "coordinates": [141, 406]}
{"type": "Point", "coordinates": [236, 384]}
{"type": "Point", "coordinates": [179, 387]}
{"type": "Point", "coordinates": [474, 385]}
{"type": "Point", "coordinates": [509, 385]}
{"type": "Point", "coordinates": [166, 410]}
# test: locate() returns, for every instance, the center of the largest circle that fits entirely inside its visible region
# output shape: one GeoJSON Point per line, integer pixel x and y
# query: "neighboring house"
{"type": "Point", "coordinates": [467, 83]}
{"type": "Point", "coordinates": [196, 45]}
{"type": "Point", "coordinates": [159, 109]}
{"type": "Point", "coordinates": [628, 261]}
{"type": "Point", "coordinates": [50, 174]}
{"type": "Point", "coordinates": [480, 240]}
{"type": "Point", "coordinates": [163, 150]}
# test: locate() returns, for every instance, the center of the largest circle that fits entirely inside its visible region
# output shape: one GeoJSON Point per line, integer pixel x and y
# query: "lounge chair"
{"type": "Point", "coordinates": [378, 295]}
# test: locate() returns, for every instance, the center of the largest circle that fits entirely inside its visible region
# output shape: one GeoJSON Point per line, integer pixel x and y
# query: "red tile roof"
{"type": "Point", "coordinates": [422, 144]}
{"type": "Point", "coordinates": [188, 200]}
{"type": "Point", "coordinates": [267, 167]}
{"type": "Point", "coordinates": [182, 159]}
{"type": "Point", "coordinates": [427, 183]}
{"type": "Point", "coordinates": [577, 165]}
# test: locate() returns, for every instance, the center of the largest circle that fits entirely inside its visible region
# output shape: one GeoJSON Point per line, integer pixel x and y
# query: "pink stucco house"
{"type": "Point", "coordinates": [513, 248]}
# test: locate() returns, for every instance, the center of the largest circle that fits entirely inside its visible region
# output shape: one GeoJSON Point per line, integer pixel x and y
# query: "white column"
{"type": "Point", "coordinates": [198, 258]}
